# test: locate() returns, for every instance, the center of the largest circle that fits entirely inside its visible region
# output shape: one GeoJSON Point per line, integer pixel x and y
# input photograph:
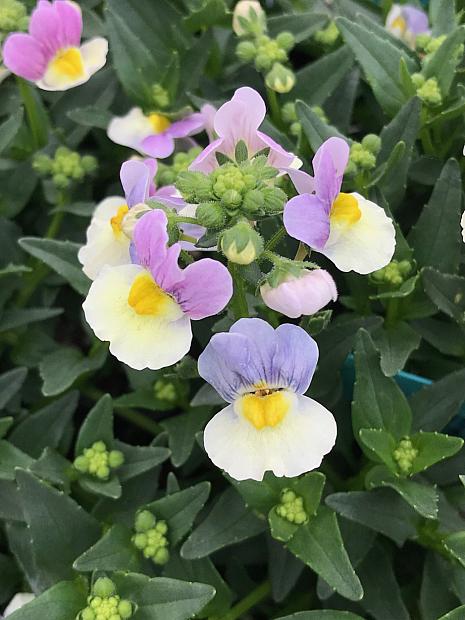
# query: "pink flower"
{"type": "Point", "coordinates": [307, 294]}
{"type": "Point", "coordinates": [239, 119]}
{"type": "Point", "coordinates": [51, 55]}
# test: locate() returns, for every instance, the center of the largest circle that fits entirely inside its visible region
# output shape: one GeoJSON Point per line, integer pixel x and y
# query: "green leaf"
{"type": "Point", "coordinates": [10, 128]}
{"type": "Point", "coordinates": [139, 459]}
{"type": "Point", "coordinates": [395, 344]}
{"type": "Point", "coordinates": [62, 601]}
{"type": "Point", "coordinates": [181, 431]}
{"type": "Point", "coordinates": [46, 427]}
{"type": "Point", "coordinates": [180, 509]}
{"type": "Point", "coordinates": [301, 25]}
{"type": "Point", "coordinates": [12, 269]}
{"type": "Point", "coordinates": [5, 425]}
{"type": "Point", "coordinates": [447, 292]}
{"type": "Point", "coordinates": [10, 505]}
{"type": "Point", "coordinates": [209, 13]}
{"type": "Point", "coordinates": [433, 448]}
{"type": "Point", "coordinates": [17, 186]}
{"type": "Point", "coordinates": [435, 405]}
{"type": "Point", "coordinates": [436, 597]}
{"type": "Point", "coordinates": [11, 578]}
{"type": "Point", "coordinates": [98, 426]}
{"type": "Point", "coordinates": [318, 80]}
{"type": "Point", "coordinates": [380, 510]}
{"type": "Point", "coordinates": [10, 384]}
{"type": "Point", "coordinates": [378, 401]}
{"type": "Point", "coordinates": [18, 317]}
{"type": "Point", "coordinates": [91, 116]}
{"type": "Point", "coordinates": [284, 570]}
{"type": "Point", "coordinates": [443, 63]}
{"type": "Point", "coordinates": [53, 468]}
{"type": "Point", "coordinates": [107, 488]}
{"type": "Point", "coordinates": [319, 544]}
{"type": "Point", "coordinates": [10, 459]}
{"type": "Point", "coordinates": [61, 256]}
{"type": "Point", "coordinates": [435, 238]}
{"type": "Point", "coordinates": [316, 130]}
{"type": "Point", "coordinates": [114, 551]}
{"type": "Point", "coordinates": [322, 614]}
{"type": "Point", "coordinates": [380, 61]}
{"type": "Point", "coordinates": [442, 16]}
{"type": "Point", "coordinates": [228, 523]}
{"type": "Point", "coordinates": [60, 369]}
{"type": "Point", "coordinates": [241, 152]}
{"type": "Point", "coordinates": [446, 337]}
{"type": "Point", "coordinates": [382, 444]}
{"type": "Point", "coordinates": [455, 614]}
{"type": "Point", "coordinates": [423, 498]}
{"type": "Point", "coordinates": [261, 496]}
{"type": "Point", "coordinates": [162, 598]}
{"type": "Point", "coordinates": [59, 528]}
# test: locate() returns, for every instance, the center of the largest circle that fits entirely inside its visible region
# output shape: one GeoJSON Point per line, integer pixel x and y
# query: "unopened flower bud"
{"type": "Point", "coordinates": [289, 112]}
{"type": "Point", "coordinates": [280, 78]}
{"type": "Point", "coordinates": [42, 164]}
{"type": "Point", "coordinates": [248, 18]}
{"type": "Point", "coordinates": [89, 163]}
{"type": "Point", "coordinates": [285, 40]}
{"type": "Point", "coordinates": [241, 244]}
{"type": "Point", "coordinates": [302, 295]}
{"type": "Point", "coordinates": [371, 142]}
{"type": "Point", "coordinates": [160, 96]}
{"type": "Point", "coordinates": [231, 198]}
{"type": "Point", "coordinates": [144, 521]}
{"type": "Point", "coordinates": [210, 215]}
{"type": "Point", "coordinates": [405, 455]}
{"type": "Point", "coordinates": [253, 202]}
{"type": "Point", "coordinates": [327, 36]}
{"type": "Point", "coordinates": [104, 587]}
{"type": "Point", "coordinates": [13, 16]}
{"type": "Point", "coordinates": [246, 51]}
{"type": "Point", "coordinates": [115, 459]}
{"type": "Point", "coordinates": [274, 199]}
{"type": "Point", "coordinates": [418, 79]}
{"type": "Point", "coordinates": [362, 157]}
{"type": "Point", "coordinates": [195, 187]}
{"type": "Point", "coordinates": [430, 93]}
{"type": "Point", "coordinates": [125, 609]}
{"type": "Point", "coordinates": [291, 508]}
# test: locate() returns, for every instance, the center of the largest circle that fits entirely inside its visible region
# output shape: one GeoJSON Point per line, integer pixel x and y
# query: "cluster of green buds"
{"type": "Point", "coordinates": [427, 44]}
{"type": "Point", "coordinates": [427, 90]}
{"type": "Point", "coordinates": [151, 537]}
{"type": "Point", "coordinates": [13, 17]}
{"type": "Point", "coordinates": [291, 507]}
{"type": "Point", "coordinates": [405, 455]}
{"type": "Point", "coordinates": [98, 461]}
{"type": "Point", "coordinates": [160, 96]}
{"type": "Point", "coordinates": [164, 389]}
{"type": "Point", "coordinates": [65, 166]}
{"type": "Point", "coordinates": [289, 115]}
{"type": "Point", "coordinates": [363, 154]}
{"type": "Point", "coordinates": [168, 173]}
{"type": "Point", "coordinates": [394, 274]}
{"type": "Point", "coordinates": [105, 604]}
{"type": "Point", "coordinates": [268, 54]}
{"type": "Point", "coordinates": [327, 36]}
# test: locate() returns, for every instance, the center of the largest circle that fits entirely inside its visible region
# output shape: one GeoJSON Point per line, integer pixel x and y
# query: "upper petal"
{"type": "Point", "coordinates": [306, 218]}
{"type": "Point", "coordinates": [329, 164]}
{"type": "Point", "coordinates": [160, 145]}
{"type": "Point", "coordinates": [24, 56]}
{"type": "Point", "coordinates": [192, 124]}
{"type": "Point", "coordinates": [70, 16]}
{"type": "Point", "coordinates": [206, 161]}
{"type": "Point", "coordinates": [45, 25]}
{"type": "Point", "coordinates": [240, 118]}
{"type": "Point", "coordinates": [303, 182]}
{"type": "Point", "coordinates": [296, 357]}
{"type": "Point", "coordinates": [135, 178]}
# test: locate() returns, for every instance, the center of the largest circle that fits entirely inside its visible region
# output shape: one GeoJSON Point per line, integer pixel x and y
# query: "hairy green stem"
{"type": "Point", "coordinates": [181, 219]}
{"type": "Point", "coordinates": [239, 302]}
{"type": "Point", "coordinates": [275, 239]}
{"type": "Point", "coordinates": [255, 597]}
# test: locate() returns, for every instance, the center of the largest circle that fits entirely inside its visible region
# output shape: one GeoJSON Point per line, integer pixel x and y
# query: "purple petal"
{"type": "Point", "coordinates": [296, 357]}
{"type": "Point", "coordinates": [278, 157]}
{"type": "Point", "coordinates": [303, 182]}
{"type": "Point", "coordinates": [417, 20]}
{"type": "Point", "coordinates": [240, 118]}
{"type": "Point", "coordinates": [208, 112]}
{"type": "Point", "coordinates": [206, 161]}
{"type": "Point", "coordinates": [24, 56]}
{"type": "Point", "coordinates": [329, 164]}
{"type": "Point", "coordinates": [160, 145]}
{"type": "Point", "coordinates": [306, 218]}
{"type": "Point", "coordinates": [205, 290]}
{"type": "Point", "coordinates": [45, 26]}
{"type": "Point", "coordinates": [152, 165]}
{"type": "Point", "coordinates": [187, 126]}
{"type": "Point", "coordinates": [70, 17]}
{"type": "Point", "coordinates": [135, 177]}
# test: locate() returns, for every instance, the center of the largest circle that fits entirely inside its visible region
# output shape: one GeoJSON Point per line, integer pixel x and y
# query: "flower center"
{"type": "Point", "coordinates": [399, 24]}
{"type": "Point", "coordinates": [68, 62]}
{"type": "Point", "coordinates": [265, 407]}
{"type": "Point", "coordinates": [117, 220]}
{"type": "Point", "coordinates": [146, 297]}
{"type": "Point", "coordinates": [159, 123]}
{"type": "Point", "coordinates": [345, 210]}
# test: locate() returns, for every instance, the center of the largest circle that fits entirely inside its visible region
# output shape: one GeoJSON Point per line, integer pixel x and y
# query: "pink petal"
{"type": "Point", "coordinates": [45, 27]}
{"type": "Point", "coordinates": [24, 56]}
{"type": "Point", "coordinates": [187, 126]}
{"type": "Point", "coordinates": [307, 219]}
{"type": "Point", "coordinates": [71, 21]}
{"type": "Point", "coordinates": [160, 145]}
{"type": "Point", "coordinates": [278, 157]}
{"type": "Point", "coordinates": [329, 164]}
{"type": "Point", "coordinates": [206, 160]}
{"type": "Point", "coordinates": [303, 182]}
{"type": "Point", "coordinates": [135, 178]}
{"type": "Point", "coordinates": [205, 290]}
{"type": "Point", "coordinates": [240, 118]}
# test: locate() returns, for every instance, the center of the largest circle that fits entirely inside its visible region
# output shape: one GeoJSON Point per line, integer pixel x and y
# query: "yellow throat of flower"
{"type": "Point", "coordinates": [68, 63]}
{"type": "Point", "coordinates": [399, 24]}
{"type": "Point", "coordinates": [159, 123]}
{"type": "Point", "coordinates": [117, 220]}
{"type": "Point", "coordinates": [147, 298]}
{"type": "Point", "coordinates": [345, 210]}
{"type": "Point", "coordinates": [264, 407]}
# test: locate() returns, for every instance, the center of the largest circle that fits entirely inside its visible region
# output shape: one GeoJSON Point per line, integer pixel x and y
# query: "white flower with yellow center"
{"type": "Point", "coordinates": [405, 22]}
{"type": "Point", "coordinates": [269, 424]}
{"type": "Point", "coordinates": [353, 232]}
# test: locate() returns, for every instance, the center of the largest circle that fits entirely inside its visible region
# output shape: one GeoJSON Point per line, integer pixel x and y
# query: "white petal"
{"type": "Point", "coordinates": [130, 130]}
{"type": "Point", "coordinates": [18, 601]}
{"type": "Point", "coordinates": [462, 222]}
{"type": "Point", "coordinates": [293, 447]}
{"type": "Point", "coordinates": [138, 341]}
{"type": "Point", "coordinates": [103, 247]}
{"type": "Point", "coordinates": [365, 246]}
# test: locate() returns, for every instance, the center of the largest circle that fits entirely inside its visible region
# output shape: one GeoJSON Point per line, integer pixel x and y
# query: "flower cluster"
{"type": "Point", "coordinates": [151, 537]}
{"type": "Point", "coordinates": [13, 16]}
{"type": "Point", "coordinates": [105, 604]}
{"type": "Point", "coordinates": [405, 455]}
{"type": "Point", "coordinates": [98, 461]}
{"type": "Point", "coordinates": [65, 167]}
{"type": "Point", "coordinates": [291, 507]}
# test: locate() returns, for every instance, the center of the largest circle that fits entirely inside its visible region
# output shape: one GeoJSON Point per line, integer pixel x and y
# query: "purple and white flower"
{"type": "Point", "coordinates": [144, 310]}
{"type": "Point", "coordinates": [353, 232]}
{"type": "Point", "coordinates": [240, 119]}
{"type": "Point", "coordinates": [405, 22]}
{"type": "Point", "coordinates": [268, 425]}
{"type": "Point", "coordinates": [153, 134]}
{"type": "Point", "coordinates": [51, 55]}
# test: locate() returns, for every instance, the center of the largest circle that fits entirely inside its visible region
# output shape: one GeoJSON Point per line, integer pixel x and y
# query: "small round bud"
{"type": "Point", "coordinates": [263, 62]}
{"type": "Point", "coordinates": [231, 198]}
{"type": "Point", "coordinates": [87, 614]}
{"type": "Point", "coordinates": [140, 540]}
{"type": "Point", "coordinates": [60, 181]}
{"type": "Point", "coordinates": [430, 93]}
{"type": "Point", "coordinates": [103, 472]}
{"type": "Point", "coordinates": [248, 18]}
{"type": "Point", "coordinates": [81, 464]}
{"type": "Point", "coordinates": [162, 555]}
{"type": "Point", "coordinates": [125, 609]}
{"type": "Point", "coordinates": [144, 521]}
{"type": "Point", "coordinates": [285, 40]}
{"type": "Point", "coordinates": [274, 200]}
{"type": "Point", "coordinates": [246, 51]}
{"type": "Point", "coordinates": [115, 459]}
{"type": "Point", "coordinates": [253, 202]}
{"type": "Point", "coordinates": [328, 36]}
{"type": "Point", "coordinates": [280, 78]}
{"type": "Point", "coordinates": [371, 142]}
{"type": "Point", "coordinates": [210, 215]}
{"type": "Point", "coordinates": [241, 244]}
{"type": "Point", "coordinates": [42, 164]}
{"type": "Point", "coordinates": [289, 112]}
{"type": "Point", "coordinates": [99, 446]}
{"type": "Point", "coordinates": [418, 79]}
{"type": "Point", "coordinates": [160, 96]}
{"type": "Point", "coordinates": [104, 587]}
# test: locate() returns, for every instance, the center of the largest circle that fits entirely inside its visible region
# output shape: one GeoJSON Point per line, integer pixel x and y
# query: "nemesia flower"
{"type": "Point", "coordinates": [306, 294]}
{"type": "Point", "coordinates": [152, 134]}
{"type": "Point", "coordinates": [51, 55]}
{"type": "Point", "coordinates": [236, 120]}
{"type": "Point", "coordinates": [353, 232]}
{"type": "Point", "coordinates": [405, 22]}
{"type": "Point", "coordinates": [107, 239]}
{"type": "Point", "coordinates": [208, 111]}
{"type": "Point", "coordinates": [144, 310]}
{"type": "Point", "coordinates": [269, 425]}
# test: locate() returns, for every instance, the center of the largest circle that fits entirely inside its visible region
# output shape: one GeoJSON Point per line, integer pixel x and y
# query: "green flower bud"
{"type": "Point", "coordinates": [285, 40]}
{"type": "Point", "coordinates": [361, 157]}
{"type": "Point", "coordinates": [87, 614]}
{"type": "Point", "coordinates": [280, 78]}
{"type": "Point", "coordinates": [371, 142]}
{"type": "Point", "coordinates": [274, 200]}
{"type": "Point", "coordinates": [328, 36]}
{"type": "Point", "coordinates": [160, 96]}
{"type": "Point", "coordinates": [241, 244]}
{"type": "Point", "coordinates": [211, 215]}
{"type": "Point", "coordinates": [405, 455]}
{"type": "Point", "coordinates": [81, 463]}
{"type": "Point", "coordinates": [140, 541]}
{"type": "Point", "coordinates": [161, 527]}
{"type": "Point", "coordinates": [144, 521]}
{"type": "Point", "coordinates": [263, 62]}
{"type": "Point", "coordinates": [434, 44]}
{"type": "Point", "coordinates": [320, 113]}
{"type": "Point", "coordinates": [430, 93]}
{"type": "Point", "coordinates": [289, 113]}
{"type": "Point", "coordinates": [166, 176]}
{"type": "Point", "coordinates": [104, 587]}
{"type": "Point", "coordinates": [248, 18]}
{"type": "Point", "coordinates": [295, 129]}
{"type": "Point", "coordinates": [60, 181]}
{"type": "Point", "coordinates": [246, 51]}
{"type": "Point", "coordinates": [422, 40]}
{"type": "Point", "coordinates": [418, 79]}
{"type": "Point", "coordinates": [161, 556]}
{"type": "Point", "coordinates": [253, 202]}
{"type": "Point", "coordinates": [165, 390]}
{"type": "Point", "coordinates": [115, 459]}
{"type": "Point", "coordinates": [99, 446]}
{"type": "Point", "coordinates": [89, 163]}
{"type": "Point", "coordinates": [125, 609]}
{"type": "Point", "coordinates": [103, 472]}
{"type": "Point", "coordinates": [291, 508]}
{"type": "Point", "coordinates": [42, 164]}
{"type": "Point", "coordinates": [351, 169]}
{"type": "Point", "coordinates": [195, 187]}
{"type": "Point", "coordinates": [231, 198]}
{"type": "Point", "coordinates": [13, 16]}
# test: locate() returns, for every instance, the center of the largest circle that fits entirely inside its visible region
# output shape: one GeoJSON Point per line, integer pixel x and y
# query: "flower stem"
{"type": "Point", "coordinates": [239, 302]}
{"type": "Point", "coordinates": [260, 593]}
{"type": "Point", "coordinates": [301, 252]}
{"type": "Point", "coordinates": [37, 125]}
{"type": "Point", "coordinates": [275, 239]}
{"type": "Point", "coordinates": [392, 311]}
{"type": "Point", "coordinates": [275, 108]}
{"type": "Point", "coordinates": [181, 219]}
